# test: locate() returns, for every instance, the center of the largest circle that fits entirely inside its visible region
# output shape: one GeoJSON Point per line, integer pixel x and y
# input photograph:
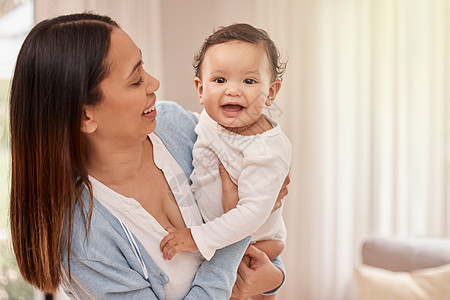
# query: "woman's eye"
{"type": "Point", "coordinates": [139, 82]}
{"type": "Point", "coordinates": [249, 81]}
{"type": "Point", "coordinates": [220, 80]}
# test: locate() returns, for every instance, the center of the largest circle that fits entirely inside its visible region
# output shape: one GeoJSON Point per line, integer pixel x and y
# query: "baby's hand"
{"type": "Point", "coordinates": [178, 239]}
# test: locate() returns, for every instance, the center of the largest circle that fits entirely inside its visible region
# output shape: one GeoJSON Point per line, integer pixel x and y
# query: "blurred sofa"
{"type": "Point", "coordinates": [404, 268]}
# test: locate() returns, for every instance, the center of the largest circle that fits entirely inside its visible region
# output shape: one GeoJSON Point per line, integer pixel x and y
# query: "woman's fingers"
{"type": "Point", "coordinates": [287, 180]}
{"type": "Point", "coordinates": [230, 196]}
{"type": "Point", "coordinates": [283, 192]}
{"type": "Point", "coordinates": [226, 180]}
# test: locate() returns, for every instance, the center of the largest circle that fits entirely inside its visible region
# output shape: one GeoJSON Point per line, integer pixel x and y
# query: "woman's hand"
{"type": "Point", "coordinates": [230, 196]}
{"type": "Point", "coordinates": [283, 192]}
{"type": "Point", "coordinates": [260, 276]}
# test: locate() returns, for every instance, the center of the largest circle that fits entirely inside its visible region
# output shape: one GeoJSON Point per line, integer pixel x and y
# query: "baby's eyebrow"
{"type": "Point", "coordinates": [253, 72]}
{"type": "Point", "coordinates": [214, 71]}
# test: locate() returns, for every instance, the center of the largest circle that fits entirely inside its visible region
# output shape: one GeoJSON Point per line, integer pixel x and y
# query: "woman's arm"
{"type": "Point", "coordinates": [106, 267]}
{"type": "Point", "coordinates": [216, 277]}
{"type": "Point", "coordinates": [109, 279]}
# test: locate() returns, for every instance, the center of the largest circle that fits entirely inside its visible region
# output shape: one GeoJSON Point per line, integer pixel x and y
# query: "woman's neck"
{"type": "Point", "coordinates": [117, 165]}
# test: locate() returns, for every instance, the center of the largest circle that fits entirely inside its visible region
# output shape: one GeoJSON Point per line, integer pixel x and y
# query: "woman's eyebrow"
{"type": "Point", "coordinates": [139, 63]}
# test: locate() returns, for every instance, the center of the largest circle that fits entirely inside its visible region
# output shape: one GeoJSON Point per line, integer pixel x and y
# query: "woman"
{"type": "Point", "coordinates": [95, 181]}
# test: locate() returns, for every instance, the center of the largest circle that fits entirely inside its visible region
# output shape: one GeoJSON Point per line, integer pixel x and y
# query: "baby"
{"type": "Point", "coordinates": [238, 72]}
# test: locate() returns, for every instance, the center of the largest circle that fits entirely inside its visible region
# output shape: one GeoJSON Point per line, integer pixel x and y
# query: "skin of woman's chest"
{"type": "Point", "coordinates": [159, 201]}
{"type": "Point", "coordinates": [148, 185]}
{"type": "Point", "coordinates": [152, 191]}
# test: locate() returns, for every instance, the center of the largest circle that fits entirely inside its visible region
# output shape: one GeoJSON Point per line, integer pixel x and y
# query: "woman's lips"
{"type": "Point", "coordinates": [150, 111]}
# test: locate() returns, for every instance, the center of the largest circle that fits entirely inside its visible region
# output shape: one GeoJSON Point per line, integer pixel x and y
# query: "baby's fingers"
{"type": "Point", "coordinates": [165, 240]}
{"type": "Point", "coordinates": [171, 248]}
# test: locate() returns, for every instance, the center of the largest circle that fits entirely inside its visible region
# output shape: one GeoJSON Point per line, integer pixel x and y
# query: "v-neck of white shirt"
{"type": "Point", "coordinates": [147, 229]}
{"type": "Point", "coordinates": [176, 179]}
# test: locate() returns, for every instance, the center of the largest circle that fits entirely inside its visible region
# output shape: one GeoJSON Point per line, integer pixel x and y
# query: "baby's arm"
{"type": "Point", "coordinates": [178, 239]}
{"type": "Point", "coordinates": [257, 197]}
{"type": "Point", "coordinates": [272, 248]}
{"type": "Point", "coordinates": [230, 196]}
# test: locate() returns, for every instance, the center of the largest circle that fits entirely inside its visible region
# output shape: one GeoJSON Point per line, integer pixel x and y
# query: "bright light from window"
{"type": "Point", "coordinates": [15, 23]}
{"type": "Point", "coordinates": [16, 20]}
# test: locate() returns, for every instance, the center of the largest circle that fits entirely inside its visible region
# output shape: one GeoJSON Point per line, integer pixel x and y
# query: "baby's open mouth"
{"type": "Point", "coordinates": [232, 107]}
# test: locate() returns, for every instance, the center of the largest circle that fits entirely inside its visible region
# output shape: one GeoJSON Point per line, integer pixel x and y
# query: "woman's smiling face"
{"type": "Point", "coordinates": [127, 109]}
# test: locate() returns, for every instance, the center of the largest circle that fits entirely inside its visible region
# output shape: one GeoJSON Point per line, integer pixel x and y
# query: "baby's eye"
{"type": "Point", "coordinates": [249, 81]}
{"type": "Point", "coordinates": [220, 80]}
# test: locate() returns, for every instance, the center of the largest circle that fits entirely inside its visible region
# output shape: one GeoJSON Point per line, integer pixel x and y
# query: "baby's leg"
{"type": "Point", "coordinates": [272, 248]}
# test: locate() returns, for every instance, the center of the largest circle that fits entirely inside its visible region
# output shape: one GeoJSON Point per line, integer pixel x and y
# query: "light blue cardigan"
{"type": "Point", "coordinates": [105, 265]}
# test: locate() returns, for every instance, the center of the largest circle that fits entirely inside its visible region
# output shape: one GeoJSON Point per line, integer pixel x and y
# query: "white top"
{"type": "Point", "coordinates": [258, 164]}
{"type": "Point", "coordinates": [183, 267]}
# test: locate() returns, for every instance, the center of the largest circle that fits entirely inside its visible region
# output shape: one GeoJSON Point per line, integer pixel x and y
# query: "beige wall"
{"type": "Point", "coordinates": [168, 32]}
{"type": "Point", "coordinates": [185, 26]}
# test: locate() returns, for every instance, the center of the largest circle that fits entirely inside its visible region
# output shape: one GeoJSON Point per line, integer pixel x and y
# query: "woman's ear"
{"type": "Point", "coordinates": [88, 124]}
{"type": "Point", "coordinates": [199, 87]}
{"type": "Point", "coordinates": [273, 91]}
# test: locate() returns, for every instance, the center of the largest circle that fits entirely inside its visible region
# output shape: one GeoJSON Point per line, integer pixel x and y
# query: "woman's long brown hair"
{"type": "Point", "coordinates": [58, 70]}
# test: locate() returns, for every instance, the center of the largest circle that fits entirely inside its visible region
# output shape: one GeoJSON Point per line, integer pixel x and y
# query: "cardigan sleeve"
{"type": "Point", "coordinates": [106, 279]}
{"type": "Point", "coordinates": [100, 280]}
{"type": "Point", "coordinates": [104, 265]}
{"type": "Point", "coordinates": [215, 278]}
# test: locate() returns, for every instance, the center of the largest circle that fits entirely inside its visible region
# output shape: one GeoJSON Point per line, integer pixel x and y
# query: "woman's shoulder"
{"type": "Point", "coordinates": [172, 112]}
{"type": "Point", "coordinates": [175, 126]}
{"type": "Point", "coordinates": [174, 121]}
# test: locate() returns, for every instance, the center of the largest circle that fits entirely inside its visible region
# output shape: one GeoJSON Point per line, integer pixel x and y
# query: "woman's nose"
{"type": "Point", "coordinates": [153, 84]}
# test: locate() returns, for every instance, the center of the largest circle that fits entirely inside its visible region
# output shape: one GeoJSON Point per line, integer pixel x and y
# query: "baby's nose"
{"type": "Point", "coordinates": [233, 90]}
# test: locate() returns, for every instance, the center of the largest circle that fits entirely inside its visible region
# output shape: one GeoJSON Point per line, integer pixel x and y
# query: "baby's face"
{"type": "Point", "coordinates": [236, 81]}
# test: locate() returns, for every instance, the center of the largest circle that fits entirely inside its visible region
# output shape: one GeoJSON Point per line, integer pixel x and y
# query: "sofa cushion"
{"type": "Point", "coordinates": [423, 284]}
{"type": "Point", "coordinates": [405, 254]}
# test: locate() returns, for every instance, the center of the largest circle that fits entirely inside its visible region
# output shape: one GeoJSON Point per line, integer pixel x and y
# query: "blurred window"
{"type": "Point", "coordinates": [16, 20]}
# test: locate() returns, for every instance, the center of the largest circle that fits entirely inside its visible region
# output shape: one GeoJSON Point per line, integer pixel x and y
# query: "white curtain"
{"type": "Point", "coordinates": [365, 101]}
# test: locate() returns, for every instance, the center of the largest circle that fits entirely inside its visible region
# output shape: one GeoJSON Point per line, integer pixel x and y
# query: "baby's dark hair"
{"type": "Point", "coordinates": [246, 33]}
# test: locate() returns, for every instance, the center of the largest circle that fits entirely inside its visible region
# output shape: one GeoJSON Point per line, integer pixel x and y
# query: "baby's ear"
{"type": "Point", "coordinates": [273, 91]}
{"type": "Point", "coordinates": [199, 87]}
{"type": "Point", "coordinates": [88, 124]}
